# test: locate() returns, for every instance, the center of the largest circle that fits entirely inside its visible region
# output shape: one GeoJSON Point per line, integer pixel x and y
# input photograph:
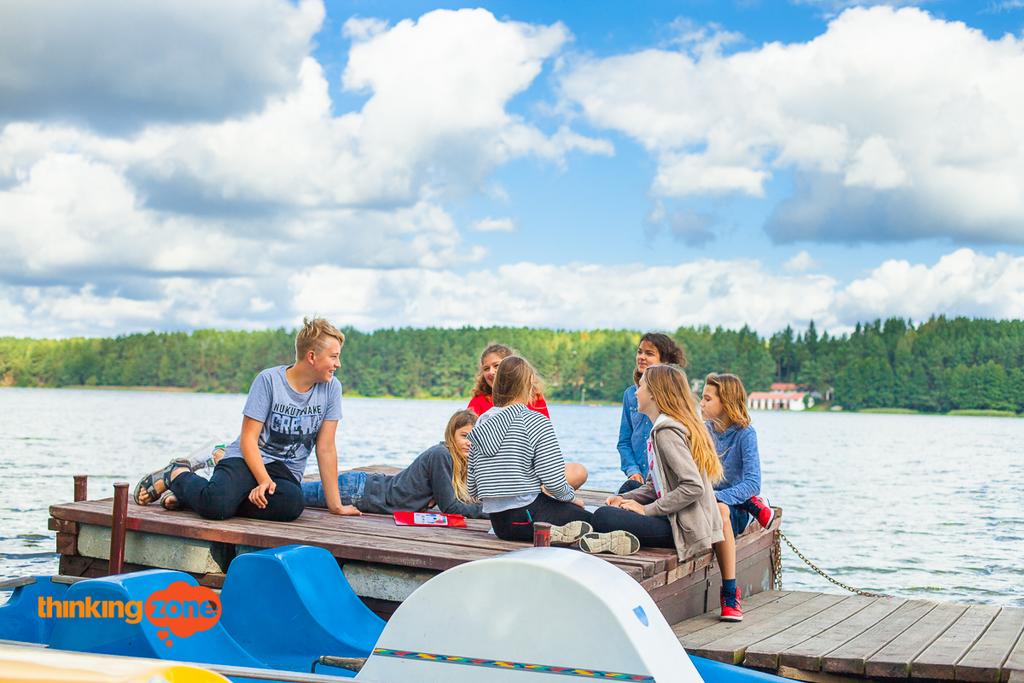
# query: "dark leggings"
{"type": "Point", "coordinates": [226, 494]}
{"type": "Point", "coordinates": [655, 532]}
{"type": "Point", "coordinates": [517, 524]}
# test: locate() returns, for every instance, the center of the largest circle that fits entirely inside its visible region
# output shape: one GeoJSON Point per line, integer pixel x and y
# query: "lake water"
{"type": "Point", "coordinates": [911, 505]}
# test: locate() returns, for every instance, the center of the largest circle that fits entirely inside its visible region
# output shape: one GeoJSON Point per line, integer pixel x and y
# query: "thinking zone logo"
{"type": "Point", "coordinates": [179, 609]}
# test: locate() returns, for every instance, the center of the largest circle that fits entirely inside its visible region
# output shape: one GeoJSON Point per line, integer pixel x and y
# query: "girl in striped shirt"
{"type": "Point", "coordinates": [516, 469]}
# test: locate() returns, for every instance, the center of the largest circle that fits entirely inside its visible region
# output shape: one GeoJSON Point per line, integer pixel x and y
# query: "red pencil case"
{"type": "Point", "coordinates": [428, 519]}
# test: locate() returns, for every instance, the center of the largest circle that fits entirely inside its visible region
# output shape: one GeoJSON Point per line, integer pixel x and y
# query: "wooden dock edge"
{"type": "Point", "coordinates": [679, 589]}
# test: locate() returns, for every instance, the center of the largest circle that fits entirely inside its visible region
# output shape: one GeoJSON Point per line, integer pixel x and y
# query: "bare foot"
{"type": "Point", "coordinates": [169, 502]}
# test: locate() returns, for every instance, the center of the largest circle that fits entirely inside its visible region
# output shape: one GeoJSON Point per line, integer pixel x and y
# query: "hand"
{"type": "Point", "coordinates": [577, 501]}
{"type": "Point", "coordinates": [637, 477]}
{"type": "Point", "coordinates": [345, 510]}
{"type": "Point", "coordinates": [614, 501]}
{"type": "Point", "coordinates": [258, 496]}
{"type": "Point", "coordinates": [632, 506]}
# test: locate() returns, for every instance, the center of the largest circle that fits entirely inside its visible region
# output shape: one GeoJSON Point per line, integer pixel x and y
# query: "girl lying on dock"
{"type": "Point", "coordinates": [436, 476]}
{"type": "Point", "coordinates": [676, 506]}
{"type": "Point", "coordinates": [516, 467]}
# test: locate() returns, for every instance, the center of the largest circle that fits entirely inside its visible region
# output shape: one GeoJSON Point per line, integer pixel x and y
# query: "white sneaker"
{"type": "Point", "coordinates": [615, 542]}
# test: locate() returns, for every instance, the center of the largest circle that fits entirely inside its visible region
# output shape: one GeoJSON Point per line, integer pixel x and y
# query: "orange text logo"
{"type": "Point", "coordinates": [180, 609]}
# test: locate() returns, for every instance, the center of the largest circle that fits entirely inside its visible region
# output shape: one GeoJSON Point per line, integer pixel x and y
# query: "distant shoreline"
{"type": "Point", "coordinates": [866, 411]}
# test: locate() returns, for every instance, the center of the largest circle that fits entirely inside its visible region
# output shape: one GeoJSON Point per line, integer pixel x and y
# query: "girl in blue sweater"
{"type": "Point", "coordinates": [635, 427]}
{"type": "Point", "coordinates": [724, 406]}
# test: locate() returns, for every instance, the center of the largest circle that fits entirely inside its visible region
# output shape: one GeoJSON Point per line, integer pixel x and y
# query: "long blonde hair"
{"type": "Point", "coordinates": [732, 396]}
{"type": "Point", "coordinates": [515, 381]}
{"type": "Point", "coordinates": [481, 388]}
{"type": "Point", "coordinates": [670, 390]}
{"type": "Point", "coordinates": [460, 462]}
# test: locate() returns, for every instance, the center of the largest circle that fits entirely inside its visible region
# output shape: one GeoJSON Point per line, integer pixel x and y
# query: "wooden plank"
{"type": "Point", "coordinates": [17, 582]}
{"type": "Point", "coordinates": [347, 545]}
{"type": "Point", "coordinates": [682, 598]}
{"type": "Point", "coordinates": [1014, 664]}
{"type": "Point", "coordinates": [810, 676]}
{"type": "Point", "coordinates": [939, 659]}
{"type": "Point", "coordinates": [698, 639]}
{"type": "Point", "coordinates": [809, 654]}
{"type": "Point", "coordinates": [764, 654]}
{"type": "Point", "coordinates": [851, 657]}
{"type": "Point", "coordinates": [67, 544]}
{"type": "Point", "coordinates": [893, 660]}
{"type": "Point", "coordinates": [652, 561]}
{"type": "Point", "coordinates": [433, 548]}
{"type": "Point", "coordinates": [732, 648]}
{"type": "Point", "coordinates": [984, 661]}
{"type": "Point", "coordinates": [703, 621]}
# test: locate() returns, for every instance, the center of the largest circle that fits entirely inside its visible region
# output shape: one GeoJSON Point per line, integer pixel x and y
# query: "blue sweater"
{"type": "Point", "coordinates": [737, 447]}
{"type": "Point", "coordinates": [634, 430]}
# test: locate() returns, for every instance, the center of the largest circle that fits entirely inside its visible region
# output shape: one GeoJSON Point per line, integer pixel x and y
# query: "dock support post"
{"type": "Point", "coordinates": [81, 487]}
{"type": "Point", "coordinates": [541, 535]}
{"type": "Point", "coordinates": [119, 518]}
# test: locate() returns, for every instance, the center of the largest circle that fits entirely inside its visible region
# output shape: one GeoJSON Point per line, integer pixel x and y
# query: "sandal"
{"type": "Point", "coordinates": [147, 483]}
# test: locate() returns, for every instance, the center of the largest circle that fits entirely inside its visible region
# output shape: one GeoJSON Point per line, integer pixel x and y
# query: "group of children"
{"type": "Point", "coordinates": [691, 484]}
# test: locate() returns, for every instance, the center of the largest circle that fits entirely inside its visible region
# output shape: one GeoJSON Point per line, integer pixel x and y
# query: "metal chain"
{"type": "Point", "coordinates": [776, 564]}
{"type": "Point", "coordinates": [819, 570]}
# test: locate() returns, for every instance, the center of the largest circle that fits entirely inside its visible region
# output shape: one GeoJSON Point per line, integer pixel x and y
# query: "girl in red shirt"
{"type": "Point", "coordinates": [482, 400]}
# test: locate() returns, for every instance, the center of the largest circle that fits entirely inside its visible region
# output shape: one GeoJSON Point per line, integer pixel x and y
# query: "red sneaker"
{"type": "Point", "coordinates": [765, 513]}
{"type": "Point", "coordinates": [731, 612]}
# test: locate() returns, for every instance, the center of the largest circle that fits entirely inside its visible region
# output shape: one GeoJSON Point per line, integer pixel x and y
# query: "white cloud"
{"type": "Point", "coordinates": [875, 166]}
{"type": "Point", "coordinates": [961, 283]}
{"type": "Point", "coordinates": [730, 293]}
{"type": "Point", "coordinates": [900, 124]}
{"type": "Point", "coordinates": [693, 228]}
{"type": "Point", "coordinates": [293, 183]}
{"type": "Point", "coordinates": [800, 263]}
{"type": "Point", "coordinates": [117, 65]}
{"type": "Point", "coordinates": [495, 225]}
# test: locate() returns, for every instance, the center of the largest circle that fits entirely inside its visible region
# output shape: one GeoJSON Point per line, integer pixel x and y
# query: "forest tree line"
{"type": "Point", "coordinates": [936, 366]}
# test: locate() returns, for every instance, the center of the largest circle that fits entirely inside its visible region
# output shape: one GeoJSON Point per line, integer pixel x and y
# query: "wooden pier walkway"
{"type": "Point", "coordinates": [819, 637]}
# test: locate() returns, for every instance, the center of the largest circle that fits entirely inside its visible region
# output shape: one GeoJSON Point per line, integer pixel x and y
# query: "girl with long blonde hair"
{"type": "Point", "coordinates": [675, 508]}
{"type": "Point", "coordinates": [724, 406]}
{"type": "Point", "coordinates": [436, 477]}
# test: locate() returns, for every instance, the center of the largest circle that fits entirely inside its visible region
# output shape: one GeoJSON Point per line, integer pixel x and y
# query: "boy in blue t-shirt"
{"type": "Point", "coordinates": [290, 411]}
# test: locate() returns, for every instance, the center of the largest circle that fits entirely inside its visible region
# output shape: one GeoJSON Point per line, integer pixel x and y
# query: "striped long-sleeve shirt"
{"type": "Point", "coordinates": [514, 453]}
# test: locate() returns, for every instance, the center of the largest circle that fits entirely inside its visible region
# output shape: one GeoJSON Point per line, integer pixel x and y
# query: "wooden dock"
{"type": "Point", "coordinates": [821, 637]}
{"type": "Point", "coordinates": [383, 562]}
{"type": "Point", "coordinates": [799, 635]}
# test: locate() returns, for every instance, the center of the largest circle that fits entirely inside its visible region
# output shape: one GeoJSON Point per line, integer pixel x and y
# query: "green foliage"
{"type": "Point", "coordinates": [941, 365]}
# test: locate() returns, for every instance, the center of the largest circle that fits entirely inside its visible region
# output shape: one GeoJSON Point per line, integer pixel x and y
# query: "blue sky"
{"type": "Point", "coordinates": [536, 163]}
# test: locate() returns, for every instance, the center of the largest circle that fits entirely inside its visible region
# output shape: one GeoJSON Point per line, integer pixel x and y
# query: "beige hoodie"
{"type": "Point", "coordinates": [688, 498]}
